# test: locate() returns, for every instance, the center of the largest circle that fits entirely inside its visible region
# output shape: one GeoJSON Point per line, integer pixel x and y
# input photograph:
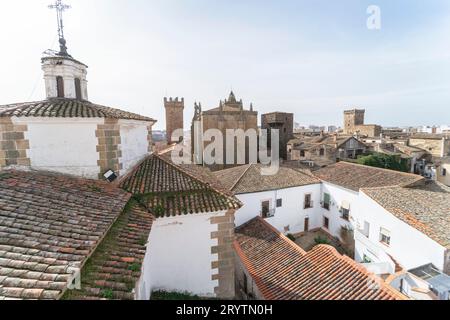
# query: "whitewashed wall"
{"type": "Point", "coordinates": [179, 257]}
{"type": "Point", "coordinates": [134, 143]}
{"type": "Point", "coordinates": [292, 214]}
{"type": "Point", "coordinates": [339, 195]}
{"type": "Point", "coordinates": [63, 145]}
{"type": "Point", "coordinates": [409, 247]}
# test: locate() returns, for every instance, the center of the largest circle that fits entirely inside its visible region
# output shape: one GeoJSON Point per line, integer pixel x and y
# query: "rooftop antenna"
{"type": "Point", "coordinates": [60, 8]}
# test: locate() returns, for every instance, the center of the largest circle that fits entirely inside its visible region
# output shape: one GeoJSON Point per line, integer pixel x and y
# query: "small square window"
{"type": "Point", "coordinates": [385, 236]}
{"type": "Point", "coordinates": [279, 203]}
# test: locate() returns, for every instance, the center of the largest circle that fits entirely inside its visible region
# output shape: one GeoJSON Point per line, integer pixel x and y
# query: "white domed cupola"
{"type": "Point", "coordinates": [64, 77]}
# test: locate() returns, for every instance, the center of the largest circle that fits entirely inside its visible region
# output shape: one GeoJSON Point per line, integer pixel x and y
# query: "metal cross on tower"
{"type": "Point", "coordinates": [60, 8]}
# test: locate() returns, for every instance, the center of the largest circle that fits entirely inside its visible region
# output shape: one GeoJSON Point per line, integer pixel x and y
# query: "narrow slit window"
{"type": "Point", "coordinates": [78, 89]}
{"type": "Point", "coordinates": [60, 87]}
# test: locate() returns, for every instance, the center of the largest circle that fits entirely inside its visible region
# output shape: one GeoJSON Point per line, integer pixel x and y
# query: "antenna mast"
{"type": "Point", "coordinates": [60, 8]}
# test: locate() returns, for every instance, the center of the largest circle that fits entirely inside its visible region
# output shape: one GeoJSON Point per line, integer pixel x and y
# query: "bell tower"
{"type": "Point", "coordinates": [64, 76]}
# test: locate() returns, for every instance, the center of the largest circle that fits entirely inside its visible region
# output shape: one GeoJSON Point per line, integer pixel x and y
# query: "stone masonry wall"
{"type": "Point", "coordinates": [13, 146]}
{"type": "Point", "coordinates": [225, 251]}
{"type": "Point", "coordinates": [150, 139]}
{"type": "Point", "coordinates": [108, 147]}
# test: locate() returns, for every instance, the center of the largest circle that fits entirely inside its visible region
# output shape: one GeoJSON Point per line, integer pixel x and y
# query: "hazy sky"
{"type": "Point", "coordinates": [313, 58]}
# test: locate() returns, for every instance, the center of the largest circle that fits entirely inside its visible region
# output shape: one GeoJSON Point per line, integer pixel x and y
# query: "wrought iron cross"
{"type": "Point", "coordinates": [60, 8]}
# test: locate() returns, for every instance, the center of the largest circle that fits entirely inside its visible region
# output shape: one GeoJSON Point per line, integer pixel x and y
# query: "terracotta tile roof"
{"type": "Point", "coordinates": [114, 269]}
{"type": "Point", "coordinates": [354, 176]}
{"type": "Point", "coordinates": [425, 208]}
{"type": "Point", "coordinates": [169, 190]}
{"type": "Point", "coordinates": [49, 225]}
{"type": "Point", "coordinates": [66, 108]}
{"type": "Point", "coordinates": [249, 179]}
{"type": "Point", "coordinates": [428, 136]}
{"type": "Point", "coordinates": [201, 173]}
{"type": "Point", "coordinates": [283, 271]}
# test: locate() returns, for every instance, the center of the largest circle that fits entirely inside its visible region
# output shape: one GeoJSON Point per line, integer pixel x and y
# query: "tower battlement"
{"type": "Point", "coordinates": [174, 116]}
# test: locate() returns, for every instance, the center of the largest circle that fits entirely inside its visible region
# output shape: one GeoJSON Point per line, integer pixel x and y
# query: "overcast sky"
{"type": "Point", "coordinates": [313, 58]}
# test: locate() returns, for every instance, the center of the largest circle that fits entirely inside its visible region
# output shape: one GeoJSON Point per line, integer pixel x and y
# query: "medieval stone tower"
{"type": "Point", "coordinates": [353, 119]}
{"type": "Point", "coordinates": [174, 116]}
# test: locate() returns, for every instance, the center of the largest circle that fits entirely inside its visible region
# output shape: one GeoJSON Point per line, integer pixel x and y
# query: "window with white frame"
{"type": "Point", "coordinates": [345, 210]}
{"type": "Point", "coordinates": [385, 236]}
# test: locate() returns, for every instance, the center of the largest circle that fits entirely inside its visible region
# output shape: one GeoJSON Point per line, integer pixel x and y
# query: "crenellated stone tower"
{"type": "Point", "coordinates": [174, 116]}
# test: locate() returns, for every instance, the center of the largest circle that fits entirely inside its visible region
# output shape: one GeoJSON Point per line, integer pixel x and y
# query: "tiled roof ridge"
{"type": "Point", "coordinates": [131, 222]}
{"type": "Point", "coordinates": [383, 169]}
{"type": "Point", "coordinates": [359, 268]}
{"type": "Point", "coordinates": [241, 177]}
{"type": "Point", "coordinates": [100, 240]}
{"type": "Point", "coordinates": [315, 260]}
{"type": "Point", "coordinates": [251, 269]}
{"type": "Point", "coordinates": [305, 172]}
{"type": "Point", "coordinates": [98, 107]}
{"type": "Point", "coordinates": [25, 171]}
{"type": "Point", "coordinates": [207, 184]}
{"type": "Point", "coordinates": [278, 233]}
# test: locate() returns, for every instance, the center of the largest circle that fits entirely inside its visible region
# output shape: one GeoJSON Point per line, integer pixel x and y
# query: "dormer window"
{"type": "Point", "coordinates": [60, 86]}
{"type": "Point", "coordinates": [78, 89]}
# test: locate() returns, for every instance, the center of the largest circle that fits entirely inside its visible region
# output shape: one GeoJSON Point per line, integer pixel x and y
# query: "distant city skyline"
{"type": "Point", "coordinates": [312, 58]}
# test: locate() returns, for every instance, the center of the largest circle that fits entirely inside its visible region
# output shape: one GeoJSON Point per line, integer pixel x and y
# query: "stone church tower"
{"type": "Point", "coordinates": [174, 116]}
{"type": "Point", "coordinates": [230, 114]}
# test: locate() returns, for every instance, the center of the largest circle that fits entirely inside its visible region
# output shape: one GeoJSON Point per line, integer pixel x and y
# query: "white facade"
{"type": "Point", "coordinates": [63, 145]}
{"type": "Point", "coordinates": [290, 217]}
{"type": "Point", "coordinates": [134, 143]}
{"type": "Point", "coordinates": [340, 198]}
{"type": "Point", "coordinates": [410, 247]}
{"type": "Point", "coordinates": [178, 256]}
{"type": "Point", "coordinates": [69, 145]}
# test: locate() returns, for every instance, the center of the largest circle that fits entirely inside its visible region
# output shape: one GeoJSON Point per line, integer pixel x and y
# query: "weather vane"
{"type": "Point", "coordinates": [60, 8]}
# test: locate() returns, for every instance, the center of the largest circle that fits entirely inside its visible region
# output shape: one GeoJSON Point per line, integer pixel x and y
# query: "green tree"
{"type": "Point", "coordinates": [381, 160]}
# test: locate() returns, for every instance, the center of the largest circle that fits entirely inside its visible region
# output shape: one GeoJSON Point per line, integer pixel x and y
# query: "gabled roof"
{"type": "Point", "coordinates": [49, 225]}
{"type": "Point", "coordinates": [425, 208]}
{"type": "Point", "coordinates": [283, 271]}
{"type": "Point", "coordinates": [169, 190]}
{"type": "Point", "coordinates": [67, 108]}
{"type": "Point", "coordinates": [354, 176]}
{"type": "Point", "coordinates": [249, 179]}
{"type": "Point", "coordinates": [114, 269]}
